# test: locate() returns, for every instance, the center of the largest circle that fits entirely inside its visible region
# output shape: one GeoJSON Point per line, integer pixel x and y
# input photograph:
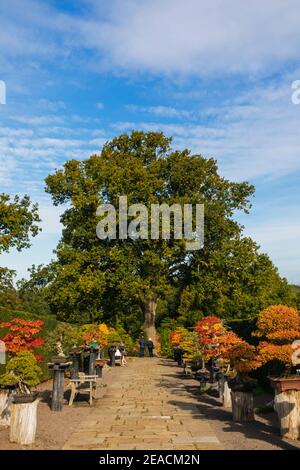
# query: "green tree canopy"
{"type": "Point", "coordinates": [18, 220]}
{"type": "Point", "coordinates": [126, 279]}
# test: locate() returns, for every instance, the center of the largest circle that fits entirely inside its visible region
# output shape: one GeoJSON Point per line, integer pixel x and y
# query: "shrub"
{"type": "Point", "coordinates": [22, 336]}
{"type": "Point", "coordinates": [22, 371]}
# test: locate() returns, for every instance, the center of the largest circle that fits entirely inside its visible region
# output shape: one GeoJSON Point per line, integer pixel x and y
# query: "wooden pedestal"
{"type": "Point", "coordinates": [287, 407]}
{"type": "Point", "coordinates": [242, 406]}
{"type": "Point", "coordinates": [23, 422]}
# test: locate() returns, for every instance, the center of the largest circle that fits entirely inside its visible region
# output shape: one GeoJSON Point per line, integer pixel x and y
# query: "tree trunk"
{"type": "Point", "coordinates": [4, 408]}
{"type": "Point", "coordinates": [149, 308]}
{"type": "Point", "coordinates": [227, 403]}
{"type": "Point", "coordinates": [23, 422]}
{"type": "Point", "coordinates": [242, 406]}
{"type": "Point", "coordinates": [287, 406]}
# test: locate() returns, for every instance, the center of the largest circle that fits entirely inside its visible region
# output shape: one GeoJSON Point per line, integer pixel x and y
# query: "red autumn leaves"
{"type": "Point", "coordinates": [216, 341]}
{"type": "Point", "coordinates": [22, 336]}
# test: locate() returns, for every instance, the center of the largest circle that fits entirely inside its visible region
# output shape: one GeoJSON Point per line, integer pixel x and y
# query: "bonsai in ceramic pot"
{"type": "Point", "coordinates": [23, 372]}
{"type": "Point", "coordinates": [176, 340]}
{"type": "Point", "coordinates": [94, 338]}
{"type": "Point", "coordinates": [214, 340]}
{"type": "Point", "coordinates": [191, 351]}
{"type": "Point", "coordinates": [243, 359]}
{"type": "Point", "coordinates": [60, 341]}
{"type": "Point", "coordinates": [19, 335]}
{"type": "Point", "coordinates": [278, 327]}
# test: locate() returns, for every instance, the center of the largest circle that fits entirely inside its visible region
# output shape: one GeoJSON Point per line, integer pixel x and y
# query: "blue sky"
{"type": "Point", "coordinates": [215, 75]}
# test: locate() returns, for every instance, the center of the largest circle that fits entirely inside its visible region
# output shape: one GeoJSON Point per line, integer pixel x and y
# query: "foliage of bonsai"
{"type": "Point", "coordinates": [190, 344]}
{"type": "Point", "coordinates": [61, 340]}
{"type": "Point", "coordinates": [176, 336]}
{"type": "Point", "coordinates": [22, 371]}
{"type": "Point", "coordinates": [243, 359]}
{"type": "Point", "coordinates": [214, 338]}
{"type": "Point", "coordinates": [94, 334]}
{"type": "Point", "coordinates": [278, 326]}
{"type": "Point", "coordinates": [22, 336]}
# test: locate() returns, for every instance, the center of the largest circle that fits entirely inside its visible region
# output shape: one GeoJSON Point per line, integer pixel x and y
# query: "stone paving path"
{"type": "Point", "coordinates": [147, 407]}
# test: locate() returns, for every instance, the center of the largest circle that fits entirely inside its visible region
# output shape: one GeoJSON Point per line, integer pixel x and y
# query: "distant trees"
{"type": "Point", "coordinates": [18, 221]}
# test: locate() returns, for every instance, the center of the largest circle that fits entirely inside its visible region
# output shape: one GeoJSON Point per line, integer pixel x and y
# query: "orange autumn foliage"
{"type": "Point", "coordinates": [277, 318]}
{"type": "Point", "coordinates": [214, 339]}
{"type": "Point", "coordinates": [278, 326]}
{"type": "Point", "coordinates": [176, 336]}
{"type": "Point", "coordinates": [243, 357]}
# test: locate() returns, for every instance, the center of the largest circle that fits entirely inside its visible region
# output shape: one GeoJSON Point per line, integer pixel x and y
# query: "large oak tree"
{"type": "Point", "coordinates": [109, 279]}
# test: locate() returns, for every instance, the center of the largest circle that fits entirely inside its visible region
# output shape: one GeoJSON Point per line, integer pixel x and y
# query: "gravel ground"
{"type": "Point", "coordinates": [54, 428]}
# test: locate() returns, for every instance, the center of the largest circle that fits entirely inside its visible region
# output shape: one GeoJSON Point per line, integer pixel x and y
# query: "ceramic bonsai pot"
{"type": "Point", "coordinates": [59, 359]}
{"type": "Point", "coordinates": [282, 384]}
{"type": "Point", "coordinates": [19, 398]}
{"type": "Point", "coordinates": [100, 362]}
{"type": "Point", "coordinates": [246, 387]}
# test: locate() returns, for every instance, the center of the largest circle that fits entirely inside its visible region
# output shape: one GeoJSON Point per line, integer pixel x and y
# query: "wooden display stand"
{"type": "Point", "coordinates": [23, 422]}
{"type": "Point", "coordinates": [4, 408]}
{"type": "Point", "coordinates": [242, 406]}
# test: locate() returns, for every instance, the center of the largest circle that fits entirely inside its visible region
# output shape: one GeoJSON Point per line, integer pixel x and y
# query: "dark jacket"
{"type": "Point", "coordinates": [150, 344]}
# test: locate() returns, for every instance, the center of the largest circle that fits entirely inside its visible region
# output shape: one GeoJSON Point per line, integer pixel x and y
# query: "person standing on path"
{"type": "Point", "coordinates": [142, 344]}
{"type": "Point", "coordinates": [150, 347]}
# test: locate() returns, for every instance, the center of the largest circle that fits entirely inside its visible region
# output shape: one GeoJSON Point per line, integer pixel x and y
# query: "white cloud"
{"type": "Point", "coordinates": [256, 135]}
{"type": "Point", "coordinates": [193, 37]}
{"type": "Point", "coordinates": [157, 36]}
{"type": "Point", "coordinates": [28, 155]}
{"type": "Point", "coordinates": [162, 111]}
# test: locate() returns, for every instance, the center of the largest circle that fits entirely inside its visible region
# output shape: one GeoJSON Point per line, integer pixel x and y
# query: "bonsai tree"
{"type": "Point", "coordinates": [176, 340]}
{"type": "Point", "coordinates": [176, 336]}
{"type": "Point", "coordinates": [62, 339]}
{"type": "Point", "coordinates": [190, 344]}
{"type": "Point", "coordinates": [278, 326]}
{"type": "Point", "coordinates": [22, 371]}
{"type": "Point", "coordinates": [22, 335]}
{"type": "Point", "coordinates": [243, 358]}
{"type": "Point", "coordinates": [209, 329]}
{"type": "Point", "coordinates": [214, 339]}
{"type": "Point", "coordinates": [94, 335]}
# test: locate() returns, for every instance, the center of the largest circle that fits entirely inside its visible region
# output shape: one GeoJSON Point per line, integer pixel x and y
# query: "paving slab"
{"type": "Point", "coordinates": [148, 409]}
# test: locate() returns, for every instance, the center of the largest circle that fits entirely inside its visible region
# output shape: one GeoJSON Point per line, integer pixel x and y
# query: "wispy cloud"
{"type": "Point", "coordinates": [254, 136]}
{"type": "Point", "coordinates": [194, 37]}
{"type": "Point", "coordinates": [162, 111]}
{"type": "Point", "coordinates": [169, 37]}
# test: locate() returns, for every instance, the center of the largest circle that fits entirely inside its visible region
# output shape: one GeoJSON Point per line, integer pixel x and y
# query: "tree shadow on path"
{"type": "Point", "coordinates": [204, 406]}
